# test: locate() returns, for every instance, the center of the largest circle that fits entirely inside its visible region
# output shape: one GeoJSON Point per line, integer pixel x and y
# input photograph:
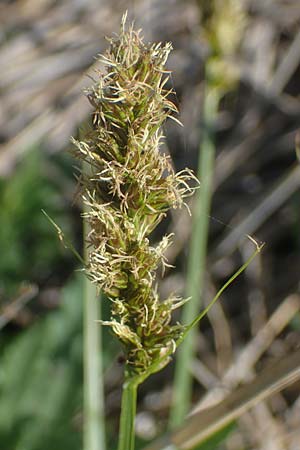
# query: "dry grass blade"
{"type": "Point", "coordinates": [12, 310]}
{"type": "Point", "coordinates": [287, 67]}
{"type": "Point", "coordinates": [202, 425]}
{"type": "Point", "coordinates": [273, 200]}
{"type": "Point", "coordinates": [239, 371]}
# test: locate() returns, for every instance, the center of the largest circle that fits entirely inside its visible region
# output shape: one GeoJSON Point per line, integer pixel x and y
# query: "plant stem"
{"type": "Point", "coordinates": [94, 432]}
{"type": "Point", "coordinates": [128, 412]}
{"type": "Point", "coordinates": [197, 259]}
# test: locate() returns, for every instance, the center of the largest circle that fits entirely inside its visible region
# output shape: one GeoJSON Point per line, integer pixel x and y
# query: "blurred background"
{"type": "Point", "coordinates": [47, 50]}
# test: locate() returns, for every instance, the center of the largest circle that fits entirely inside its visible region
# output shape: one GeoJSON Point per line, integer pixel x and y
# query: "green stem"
{"type": "Point", "coordinates": [197, 259]}
{"type": "Point", "coordinates": [128, 412]}
{"type": "Point", "coordinates": [94, 432]}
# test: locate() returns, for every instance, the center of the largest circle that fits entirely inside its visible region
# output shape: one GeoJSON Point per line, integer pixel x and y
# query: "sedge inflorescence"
{"type": "Point", "coordinates": [128, 188]}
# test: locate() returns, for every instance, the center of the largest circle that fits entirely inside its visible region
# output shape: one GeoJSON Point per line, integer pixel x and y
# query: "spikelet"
{"type": "Point", "coordinates": [128, 188]}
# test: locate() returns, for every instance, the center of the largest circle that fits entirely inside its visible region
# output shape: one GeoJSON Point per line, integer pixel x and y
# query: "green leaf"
{"type": "Point", "coordinates": [29, 248]}
{"type": "Point", "coordinates": [41, 379]}
{"type": "Point", "coordinates": [213, 442]}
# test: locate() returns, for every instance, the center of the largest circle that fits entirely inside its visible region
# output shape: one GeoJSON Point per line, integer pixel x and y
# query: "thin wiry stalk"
{"type": "Point", "coordinates": [223, 26]}
{"type": "Point", "coordinates": [93, 410]}
{"type": "Point", "coordinates": [197, 259]}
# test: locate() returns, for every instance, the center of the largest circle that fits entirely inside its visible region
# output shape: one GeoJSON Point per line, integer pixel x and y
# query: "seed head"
{"type": "Point", "coordinates": [128, 188]}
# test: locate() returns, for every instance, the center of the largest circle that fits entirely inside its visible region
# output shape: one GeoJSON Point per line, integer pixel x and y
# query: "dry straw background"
{"type": "Point", "coordinates": [47, 48]}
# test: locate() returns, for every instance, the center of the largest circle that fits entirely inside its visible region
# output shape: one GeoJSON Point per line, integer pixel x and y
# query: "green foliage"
{"type": "Point", "coordinates": [41, 379]}
{"type": "Point", "coordinates": [214, 441]}
{"type": "Point", "coordinates": [29, 247]}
